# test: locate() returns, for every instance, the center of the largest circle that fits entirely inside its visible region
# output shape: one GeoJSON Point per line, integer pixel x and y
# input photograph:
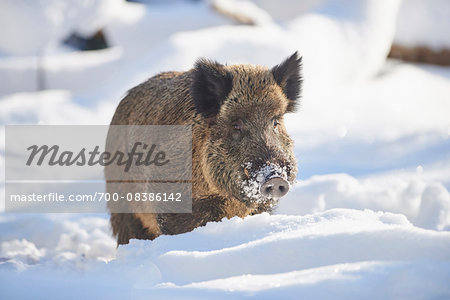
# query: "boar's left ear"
{"type": "Point", "coordinates": [287, 75]}
{"type": "Point", "coordinates": [212, 84]}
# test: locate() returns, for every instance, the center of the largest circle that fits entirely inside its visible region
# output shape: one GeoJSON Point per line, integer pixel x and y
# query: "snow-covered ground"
{"type": "Point", "coordinates": [424, 23]}
{"type": "Point", "coordinates": [339, 253]}
{"type": "Point", "coordinates": [370, 215]}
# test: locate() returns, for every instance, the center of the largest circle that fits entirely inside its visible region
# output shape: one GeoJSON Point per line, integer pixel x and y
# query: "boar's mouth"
{"type": "Point", "coordinates": [266, 183]}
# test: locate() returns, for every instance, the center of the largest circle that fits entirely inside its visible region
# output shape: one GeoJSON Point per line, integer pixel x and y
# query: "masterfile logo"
{"type": "Point", "coordinates": [90, 158]}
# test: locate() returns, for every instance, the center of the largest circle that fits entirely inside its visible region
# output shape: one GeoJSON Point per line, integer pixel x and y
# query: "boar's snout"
{"type": "Point", "coordinates": [265, 183]}
{"type": "Point", "coordinates": [274, 188]}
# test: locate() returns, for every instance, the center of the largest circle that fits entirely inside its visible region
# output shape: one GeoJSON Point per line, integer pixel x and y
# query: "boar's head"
{"type": "Point", "coordinates": [248, 153]}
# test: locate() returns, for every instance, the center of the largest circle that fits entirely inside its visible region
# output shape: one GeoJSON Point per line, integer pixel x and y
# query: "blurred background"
{"type": "Point", "coordinates": [373, 130]}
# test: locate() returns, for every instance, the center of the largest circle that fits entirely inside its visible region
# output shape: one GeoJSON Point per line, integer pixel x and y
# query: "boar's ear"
{"type": "Point", "coordinates": [287, 75]}
{"type": "Point", "coordinates": [211, 85]}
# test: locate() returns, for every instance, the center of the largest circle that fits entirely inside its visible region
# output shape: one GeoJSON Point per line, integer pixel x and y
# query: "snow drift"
{"type": "Point", "coordinates": [356, 253]}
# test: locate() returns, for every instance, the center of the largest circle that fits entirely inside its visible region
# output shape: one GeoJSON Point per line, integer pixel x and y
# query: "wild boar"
{"type": "Point", "coordinates": [242, 156]}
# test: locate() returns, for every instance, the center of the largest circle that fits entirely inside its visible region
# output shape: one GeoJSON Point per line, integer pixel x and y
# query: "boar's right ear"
{"type": "Point", "coordinates": [211, 85]}
{"type": "Point", "coordinates": [288, 77]}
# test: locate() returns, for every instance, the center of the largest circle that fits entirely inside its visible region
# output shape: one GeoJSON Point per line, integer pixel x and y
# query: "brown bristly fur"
{"type": "Point", "coordinates": [212, 98]}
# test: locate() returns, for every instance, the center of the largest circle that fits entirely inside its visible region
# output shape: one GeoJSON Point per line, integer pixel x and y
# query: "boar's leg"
{"type": "Point", "coordinates": [210, 209]}
{"type": "Point", "coordinates": [128, 226]}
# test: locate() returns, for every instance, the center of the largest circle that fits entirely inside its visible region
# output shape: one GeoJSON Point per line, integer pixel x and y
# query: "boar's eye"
{"type": "Point", "coordinates": [275, 124]}
{"type": "Point", "coordinates": [237, 129]}
{"type": "Point", "coordinates": [238, 125]}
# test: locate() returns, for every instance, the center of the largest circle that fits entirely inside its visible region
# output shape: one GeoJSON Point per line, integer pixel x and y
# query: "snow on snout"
{"type": "Point", "coordinates": [250, 187]}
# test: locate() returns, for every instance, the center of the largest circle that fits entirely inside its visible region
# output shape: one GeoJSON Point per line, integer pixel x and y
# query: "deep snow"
{"type": "Point", "coordinates": [354, 253]}
{"type": "Point", "coordinates": [370, 214]}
